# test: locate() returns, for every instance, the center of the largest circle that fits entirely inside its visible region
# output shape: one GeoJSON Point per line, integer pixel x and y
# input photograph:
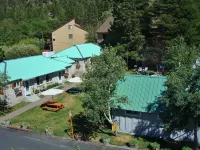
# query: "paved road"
{"type": "Point", "coordinates": [19, 140]}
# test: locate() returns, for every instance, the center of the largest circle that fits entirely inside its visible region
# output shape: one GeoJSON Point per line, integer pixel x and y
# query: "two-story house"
{"type": "Point", "coordinates": [68, 35]}
{"type": "Point", "coordinates": [103, 30]}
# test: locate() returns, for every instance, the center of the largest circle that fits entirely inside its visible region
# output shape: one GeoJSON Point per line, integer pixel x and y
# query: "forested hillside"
{"type": "Point", "coordinates": [143, 29]}
{"type": "Point", "coordinates": [22, 19]}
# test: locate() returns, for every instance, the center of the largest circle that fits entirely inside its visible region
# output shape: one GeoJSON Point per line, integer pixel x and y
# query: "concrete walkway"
{"type": "Point", "coordinates": [32, 105]}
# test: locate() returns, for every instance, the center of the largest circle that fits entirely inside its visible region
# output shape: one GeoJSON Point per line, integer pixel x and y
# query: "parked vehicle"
{"type": "Point", "coordinates": [52, 106]}
{"type": "Point", "coordinates": [74, 90]}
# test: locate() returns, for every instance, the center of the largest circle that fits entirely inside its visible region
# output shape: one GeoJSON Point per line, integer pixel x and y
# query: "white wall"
{"type": "Point", "coordinates": [147, 124]}
{"type": "Point", "coordinates": [10, 93]}
{"type": "Point", "coordinates": [34, 86]}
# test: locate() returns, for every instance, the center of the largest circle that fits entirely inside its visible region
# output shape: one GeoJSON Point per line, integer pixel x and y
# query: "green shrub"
{"type": "Point", "coordinates": [150, 73]}
{"type": "Point", "coordinates": [186, 148]}
{"type": "Point", "coordinates": [143, 144]}
{"type": "Point", "coordinates": [21, 50]}
{"type": "Point", "coordinates": [36, 91]}
{"type": "Point", "coordinates": [133, 141]}
{"type": "Point", "coordinates": [155, 145]}
{"type": "Point", "coordinates": [52, 85]}
{"type": "Point", "coordinates": [105, 136]}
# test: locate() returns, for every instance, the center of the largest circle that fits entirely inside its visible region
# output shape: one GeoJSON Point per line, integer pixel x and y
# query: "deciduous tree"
{"type": "Point", "coordinates": [21, 50]}
{"type": "Point", "coordinates": [182, 111]}
{"type": "Point", "coordinates": [100, 81]}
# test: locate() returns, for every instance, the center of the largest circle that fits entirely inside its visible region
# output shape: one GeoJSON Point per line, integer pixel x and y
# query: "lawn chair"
{"type": "Point", "coordinates": [139, 70]}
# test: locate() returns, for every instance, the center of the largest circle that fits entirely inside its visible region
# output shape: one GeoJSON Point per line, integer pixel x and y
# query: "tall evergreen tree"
{"type": "Point", "coordinates": [29, 18]}
{"type": "Point", "coordinates": [177, 18]}
{"type": "Point", "coordinates": [129, 27]}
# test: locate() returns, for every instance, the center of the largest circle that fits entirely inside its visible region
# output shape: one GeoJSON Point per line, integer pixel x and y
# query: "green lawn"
{"type": "Point", "coordinates": [15, 107]}
{"type": "Point", "coordinates": [60, 87]}
{"type": "Point", "coordinates": [38, 119]}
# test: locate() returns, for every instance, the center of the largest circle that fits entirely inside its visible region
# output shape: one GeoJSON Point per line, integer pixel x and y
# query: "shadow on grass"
{"type": "Point", "coordinates": [68, 131]}
{"type": "Point", "coordinates": [84, 128]}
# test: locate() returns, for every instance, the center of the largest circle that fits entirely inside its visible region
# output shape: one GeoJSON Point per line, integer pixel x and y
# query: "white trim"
{"type": "Point", "coordinates": [136, 115]}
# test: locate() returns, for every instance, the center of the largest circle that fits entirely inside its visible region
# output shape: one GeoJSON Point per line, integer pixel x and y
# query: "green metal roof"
{"type": "Point", "coordinates": [89, 50]}
{"type": "Point", "coordinates": [78, 51]}
{"type": "Point", "coordinates": [34, 66]}
{"type": "Point", "coordinates": [71, 52]}
{"type": "Point", "coordinates": [31, 67]}
{"type": "Point", "coordinates": [63, 59]}
{"type": "Point", "coordinates": [142, 91]}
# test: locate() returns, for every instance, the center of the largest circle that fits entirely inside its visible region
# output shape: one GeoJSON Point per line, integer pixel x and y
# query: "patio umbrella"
{"type": "Point", "coordinates": [52, 92]}
{"type": "Point", "coordinates": [75, 80]}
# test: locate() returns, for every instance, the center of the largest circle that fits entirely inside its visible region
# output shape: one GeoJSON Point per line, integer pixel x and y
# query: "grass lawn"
{"type": "Point", "coordinates": [38, 119]}
{"type": "Point", "coordinates": [15, 107]}
{"type": "Point", "coordinates": [60, 87]}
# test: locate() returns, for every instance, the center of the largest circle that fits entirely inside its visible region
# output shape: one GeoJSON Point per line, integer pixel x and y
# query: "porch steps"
{"type": "Point", "coordinates": [32, 98]}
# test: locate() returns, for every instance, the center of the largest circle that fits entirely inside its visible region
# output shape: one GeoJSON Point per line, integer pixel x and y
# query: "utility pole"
{"type": "Point", "coordinates": [72, 129]}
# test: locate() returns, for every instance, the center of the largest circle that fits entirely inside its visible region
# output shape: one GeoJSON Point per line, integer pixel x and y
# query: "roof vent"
{"type": "Point", "coordinates": [48, 54]}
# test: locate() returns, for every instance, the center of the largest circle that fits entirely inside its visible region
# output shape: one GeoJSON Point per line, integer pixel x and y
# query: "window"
{"type": "Point", "coordinates": [54, 39]}
{"type": "Point", "coordinates": [70, 36]}
{"type": "Point", "coordinates": [69, 27]}
{"type": "Point", "coordinates": [15, 85]}
{"type": "Point", "coordinates": [48, 78]}
{"type": "Point", "coordinates": [39, 81]}
{"type": "Point", "coordinates": [132, 113]}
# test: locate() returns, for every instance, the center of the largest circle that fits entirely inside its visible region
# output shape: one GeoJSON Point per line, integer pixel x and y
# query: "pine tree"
{"type": "Point", "coordinates": [177, 18]}
{"type": "Point", "coordinates": [129, 27]}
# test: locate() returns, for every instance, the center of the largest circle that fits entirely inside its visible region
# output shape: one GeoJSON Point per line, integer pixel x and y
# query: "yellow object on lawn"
{"type": "Point", "coordinates": [115, 127]}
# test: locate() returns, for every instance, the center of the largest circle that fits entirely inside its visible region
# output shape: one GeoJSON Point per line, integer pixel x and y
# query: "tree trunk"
{"type": "Point", "coordinates": [195, 135]}
{"type": "Point", "coordinates": [108, 117]}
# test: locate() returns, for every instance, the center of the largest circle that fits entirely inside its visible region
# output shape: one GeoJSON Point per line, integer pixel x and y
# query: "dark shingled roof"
{"type": "Point", "coordinates": [106, 25]}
